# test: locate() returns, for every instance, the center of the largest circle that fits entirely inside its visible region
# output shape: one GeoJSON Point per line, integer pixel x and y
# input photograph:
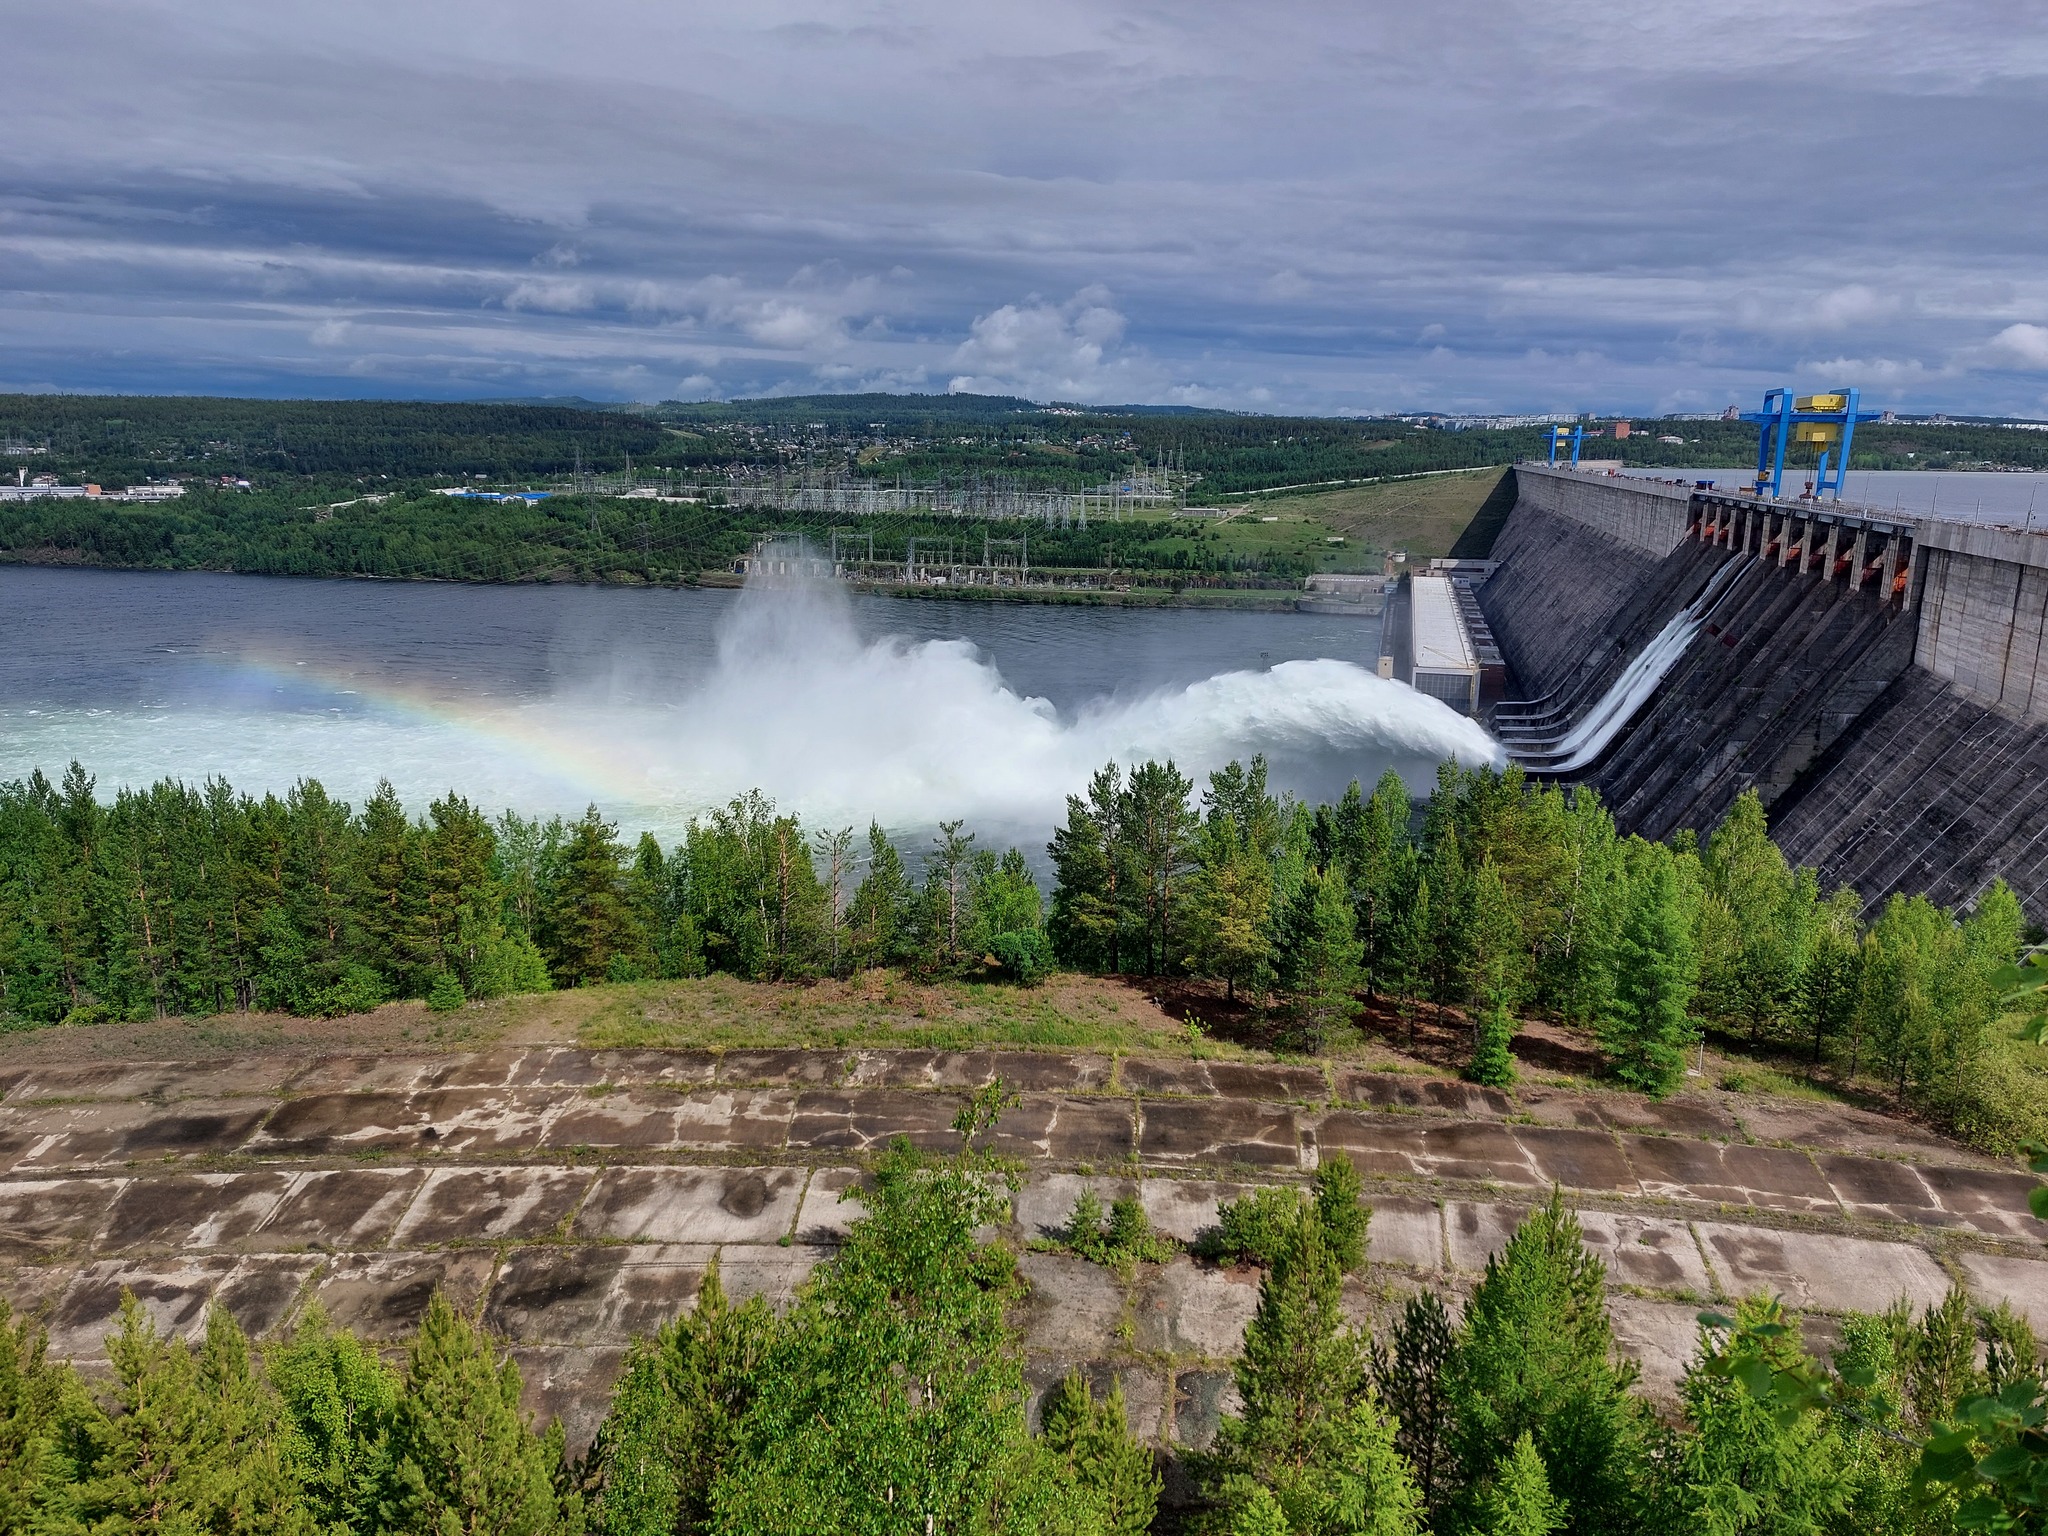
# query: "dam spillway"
{"type": "Point", "coordinates": [1881, 679]}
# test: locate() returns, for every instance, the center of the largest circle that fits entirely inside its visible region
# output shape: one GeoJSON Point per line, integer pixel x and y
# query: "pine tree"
{"type": "Point", "coordinates": [1340, 1207]}
{"type": "Point", "coordinates": [1102, 1459]}
{"type": "Point", "coordinates": [191, 1443]}
{"type": "Point", "coordinates": [877, 915]}
{"type": "Point", "coordinates": [33, 1395]}
{"type": "Point", "coordinates": [675, 1415]}
{"type": "Point", "coordinates": [1154, 850]}
{"type": "Point", "coordinates": [1496, 969]}
{"type": "Point", "coordinates": [1645, 1030]}
{"type": "Point", "coordinates": [1517, 1501]}
{"type": "Point", "coordinates": [463, 1456]}
{"type": "Point", "coordinates": [1086, 922]}
{"type": "Point", "coordinates": [1317, 957]}
{"type": "Point", "coordinates": [893, 1393]}
{"type": "Point", "coordinates": [1741, 1466]}
{"type": "Point", "coordinates": [1311, 1434]}
{"type": "Point", "coordinates": [586, 920]}
{"type": "Point", "coordinates": [1535, 1353]}
{"type": "Point", "coordinates": [1410, 1379]}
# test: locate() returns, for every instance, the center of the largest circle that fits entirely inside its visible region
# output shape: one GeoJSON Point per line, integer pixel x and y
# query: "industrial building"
{"type": "Point", "coordinates": [1436, 640]}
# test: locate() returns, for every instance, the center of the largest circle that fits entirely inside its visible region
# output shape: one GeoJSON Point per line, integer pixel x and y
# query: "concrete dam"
{"type": "Point", "coordinates": [1880, 678]}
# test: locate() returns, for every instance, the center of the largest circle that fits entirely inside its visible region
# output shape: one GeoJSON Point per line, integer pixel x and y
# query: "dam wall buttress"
{"type": "Point", "coordinates": [1882, 682]}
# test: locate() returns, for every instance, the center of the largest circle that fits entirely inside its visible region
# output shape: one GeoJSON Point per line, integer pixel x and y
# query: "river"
{"type": "Point", "coordinates": [656, 704]}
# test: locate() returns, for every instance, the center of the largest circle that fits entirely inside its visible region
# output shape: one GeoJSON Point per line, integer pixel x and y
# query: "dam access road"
{"type": "Point", "coordinates": [574, 1196]}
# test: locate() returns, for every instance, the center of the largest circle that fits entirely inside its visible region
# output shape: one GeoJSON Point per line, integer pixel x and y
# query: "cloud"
{"type": "Point", "coordinates": [2019, 346]}
{"type": "Point", "coordinates": [1045, 350]}
{"type": "Point", "coordinates": [1288, 202]}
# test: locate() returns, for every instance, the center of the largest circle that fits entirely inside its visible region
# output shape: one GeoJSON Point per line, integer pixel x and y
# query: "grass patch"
{"type": "Point", "coordinates": [1425, 517]}
{"type": "Point", "coordinates": [880, 1009]}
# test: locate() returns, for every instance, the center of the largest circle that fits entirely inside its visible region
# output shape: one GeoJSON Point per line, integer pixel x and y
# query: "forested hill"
{"type": "Point", "coordinates": [125, 439]}
{"type": "Point", "coordinates": [119, 439]}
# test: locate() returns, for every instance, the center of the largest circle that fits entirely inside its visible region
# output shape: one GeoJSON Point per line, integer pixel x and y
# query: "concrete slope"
{"type": "Point", "coordinates": [575, 1197]}
{"type": "Point", "coordinates": [1929, 791]}
{"type": "Point", "coordinates": [1786, 668]}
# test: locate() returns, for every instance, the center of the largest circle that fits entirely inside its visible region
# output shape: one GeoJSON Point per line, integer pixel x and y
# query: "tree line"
{"type": "Point", "coordinates": [1502, 897]}
{"type": "Point", "coordinates": [193, 900]}
{"type": "Point", "coordinates": [1495, 898]}
{"type": "Point", "coordinates": [891, 1398]}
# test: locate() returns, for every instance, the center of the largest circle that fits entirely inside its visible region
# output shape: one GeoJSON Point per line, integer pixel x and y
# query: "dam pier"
{"type": "Point", "coordinates": [1880, 678]}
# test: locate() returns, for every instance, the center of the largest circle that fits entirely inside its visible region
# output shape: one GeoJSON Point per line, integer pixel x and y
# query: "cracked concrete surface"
{"type": "Point", "coordinates": [576, 1197]}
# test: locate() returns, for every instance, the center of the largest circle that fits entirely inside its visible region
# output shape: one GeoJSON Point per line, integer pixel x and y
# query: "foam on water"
{"type": "Point", "coordinates": [797, 704]}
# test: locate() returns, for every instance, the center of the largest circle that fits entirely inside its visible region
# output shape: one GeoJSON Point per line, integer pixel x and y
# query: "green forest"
{"type": "Point", "coordinates": [1496, 900]}
{"type": "Point", "coordinates": [583, 538]}
{"type": "Point", "coordinates": [891, 1399]}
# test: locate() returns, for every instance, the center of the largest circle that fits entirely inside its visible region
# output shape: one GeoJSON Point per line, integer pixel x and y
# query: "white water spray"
{"type": "Point", "coordinates": [797, 704]}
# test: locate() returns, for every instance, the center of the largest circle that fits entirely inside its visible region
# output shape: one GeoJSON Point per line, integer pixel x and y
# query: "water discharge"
{"type": "Point", "coordinates": [795, 702]}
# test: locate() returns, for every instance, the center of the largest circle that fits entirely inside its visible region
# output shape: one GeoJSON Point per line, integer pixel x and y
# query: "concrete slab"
{"type": "Point", "coordinates": [1186, 1208]}
{"type": "Point", "coordinates": [1679, 1115]}
{"type": "Point", "coordinates": [1838, 1128]}
{"type": "Point", "coordinates": [635, 1119]}
{"type": "Point", "coordinates": [342, 1208]}
{"type": "Point", "coordinates": [382, 1296]}
{"type": "Point", "coordinates": [469, 1205]}
{"type": "Point", "coordinates": [162, 1081]}
{"type": "Point", "coordinates": [1769, 1178]}
{"type": "Point", "coordinates": [201, 1210]}
{"type": "Point", "coordinates": [570, 1387]}
{"type": "Point", "coordinates": [45, 1219]}
{"type": "Point", "coordinates": [1397, 1090]}
{"type": "Point", "coordinates": [1881, 1190]}
{"type": "Point", "coordinates": [1986, 1200]}
{"type": "Point", "coordinates": [868, 1119]}
{"type": "Point", "coordinates": [1661, 1337]}
{"type": "Point", "coordinates": [1190, 1309]}
{"type": "Point", "coordinates": [1821, 1272]}
{"type": "Point", "coordinates": [774, 1273]}
{"type": "Point", "coordinates": [1649, 1252]}
{"type": "Point", "coordinates": [793, 1067]}
{"type": "Point", "coordinates": [1411, 1147]}
{"type": "Point", "coordinates": [1225, 1132]}
{"type": "Point", "coordinates": [693, 1205]}
{"type": "Point", "coordinates": [497, 1066]}
{"type": "Point", "coordinates": [1071, 1307]}
{"type": "Point", "coordinates": [33, 1290]}
{"type": "Point", "coordinates": [556, 1294]}
{"type": "Point", "coordinates": [364, 1074]}
{"type": "Point", "coordinates": [172, 1291]}
{"type": "Point", "coordinates": [1201, 1400]}
{"type": "Point", "coordinates": [263, 1291]}
{"type": "Point", "coordinates": [1405, 1230]}
{"type": "Point", "coordinates": [727, 1120]}
{"type": "Point", "coordinates": [1269, 1081]}
{"type": "Point", "coordinates": [1641, 1251]}
{"type": "Point", "coordinates": [333, 1123]}
{"type": "Point", "coordinates": [570, 1067]}
{"type": "Point", "coordinates": [1996, 1277]}
{"type": "Point", "coordinates": [1164, 1076]}
{"type": "Point", "coordinates": [1578, 1159]}
{"type": "Point", "coordinates": [1021, 1071]}
{"type": "Point", "coordinates": [98, 1135]}
{"type": "Point", "coordinates": [825, 1216]}
{"type": "Point", "coordinates": [1091, 1131]}
{"type": "Point", "coordinates": [654, 1287]}
{"type": "Point", "coordinates": [484, 1120]}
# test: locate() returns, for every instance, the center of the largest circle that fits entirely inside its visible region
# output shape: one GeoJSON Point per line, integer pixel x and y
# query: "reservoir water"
{"type": "Point", "coordinates": [657, 704]}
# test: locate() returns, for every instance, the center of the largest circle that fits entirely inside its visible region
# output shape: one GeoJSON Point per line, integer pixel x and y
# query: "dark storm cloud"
{"type": "Point", "coordinates": [1475, 204]}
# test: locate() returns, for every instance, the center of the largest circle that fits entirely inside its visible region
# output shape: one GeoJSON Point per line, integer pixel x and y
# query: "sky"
{"type": "Point", "coordinates": [1327, 206]}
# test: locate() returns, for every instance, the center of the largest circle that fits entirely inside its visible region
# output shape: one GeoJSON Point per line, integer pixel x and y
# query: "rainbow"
{"type": "Point", "coordinates": [526, 737]}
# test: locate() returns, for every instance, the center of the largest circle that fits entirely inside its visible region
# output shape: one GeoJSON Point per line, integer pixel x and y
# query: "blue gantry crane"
{"type": "Point", "coordinates": [1559, 437]}
{"type": "Point", "coordinates": [1827, 422]}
